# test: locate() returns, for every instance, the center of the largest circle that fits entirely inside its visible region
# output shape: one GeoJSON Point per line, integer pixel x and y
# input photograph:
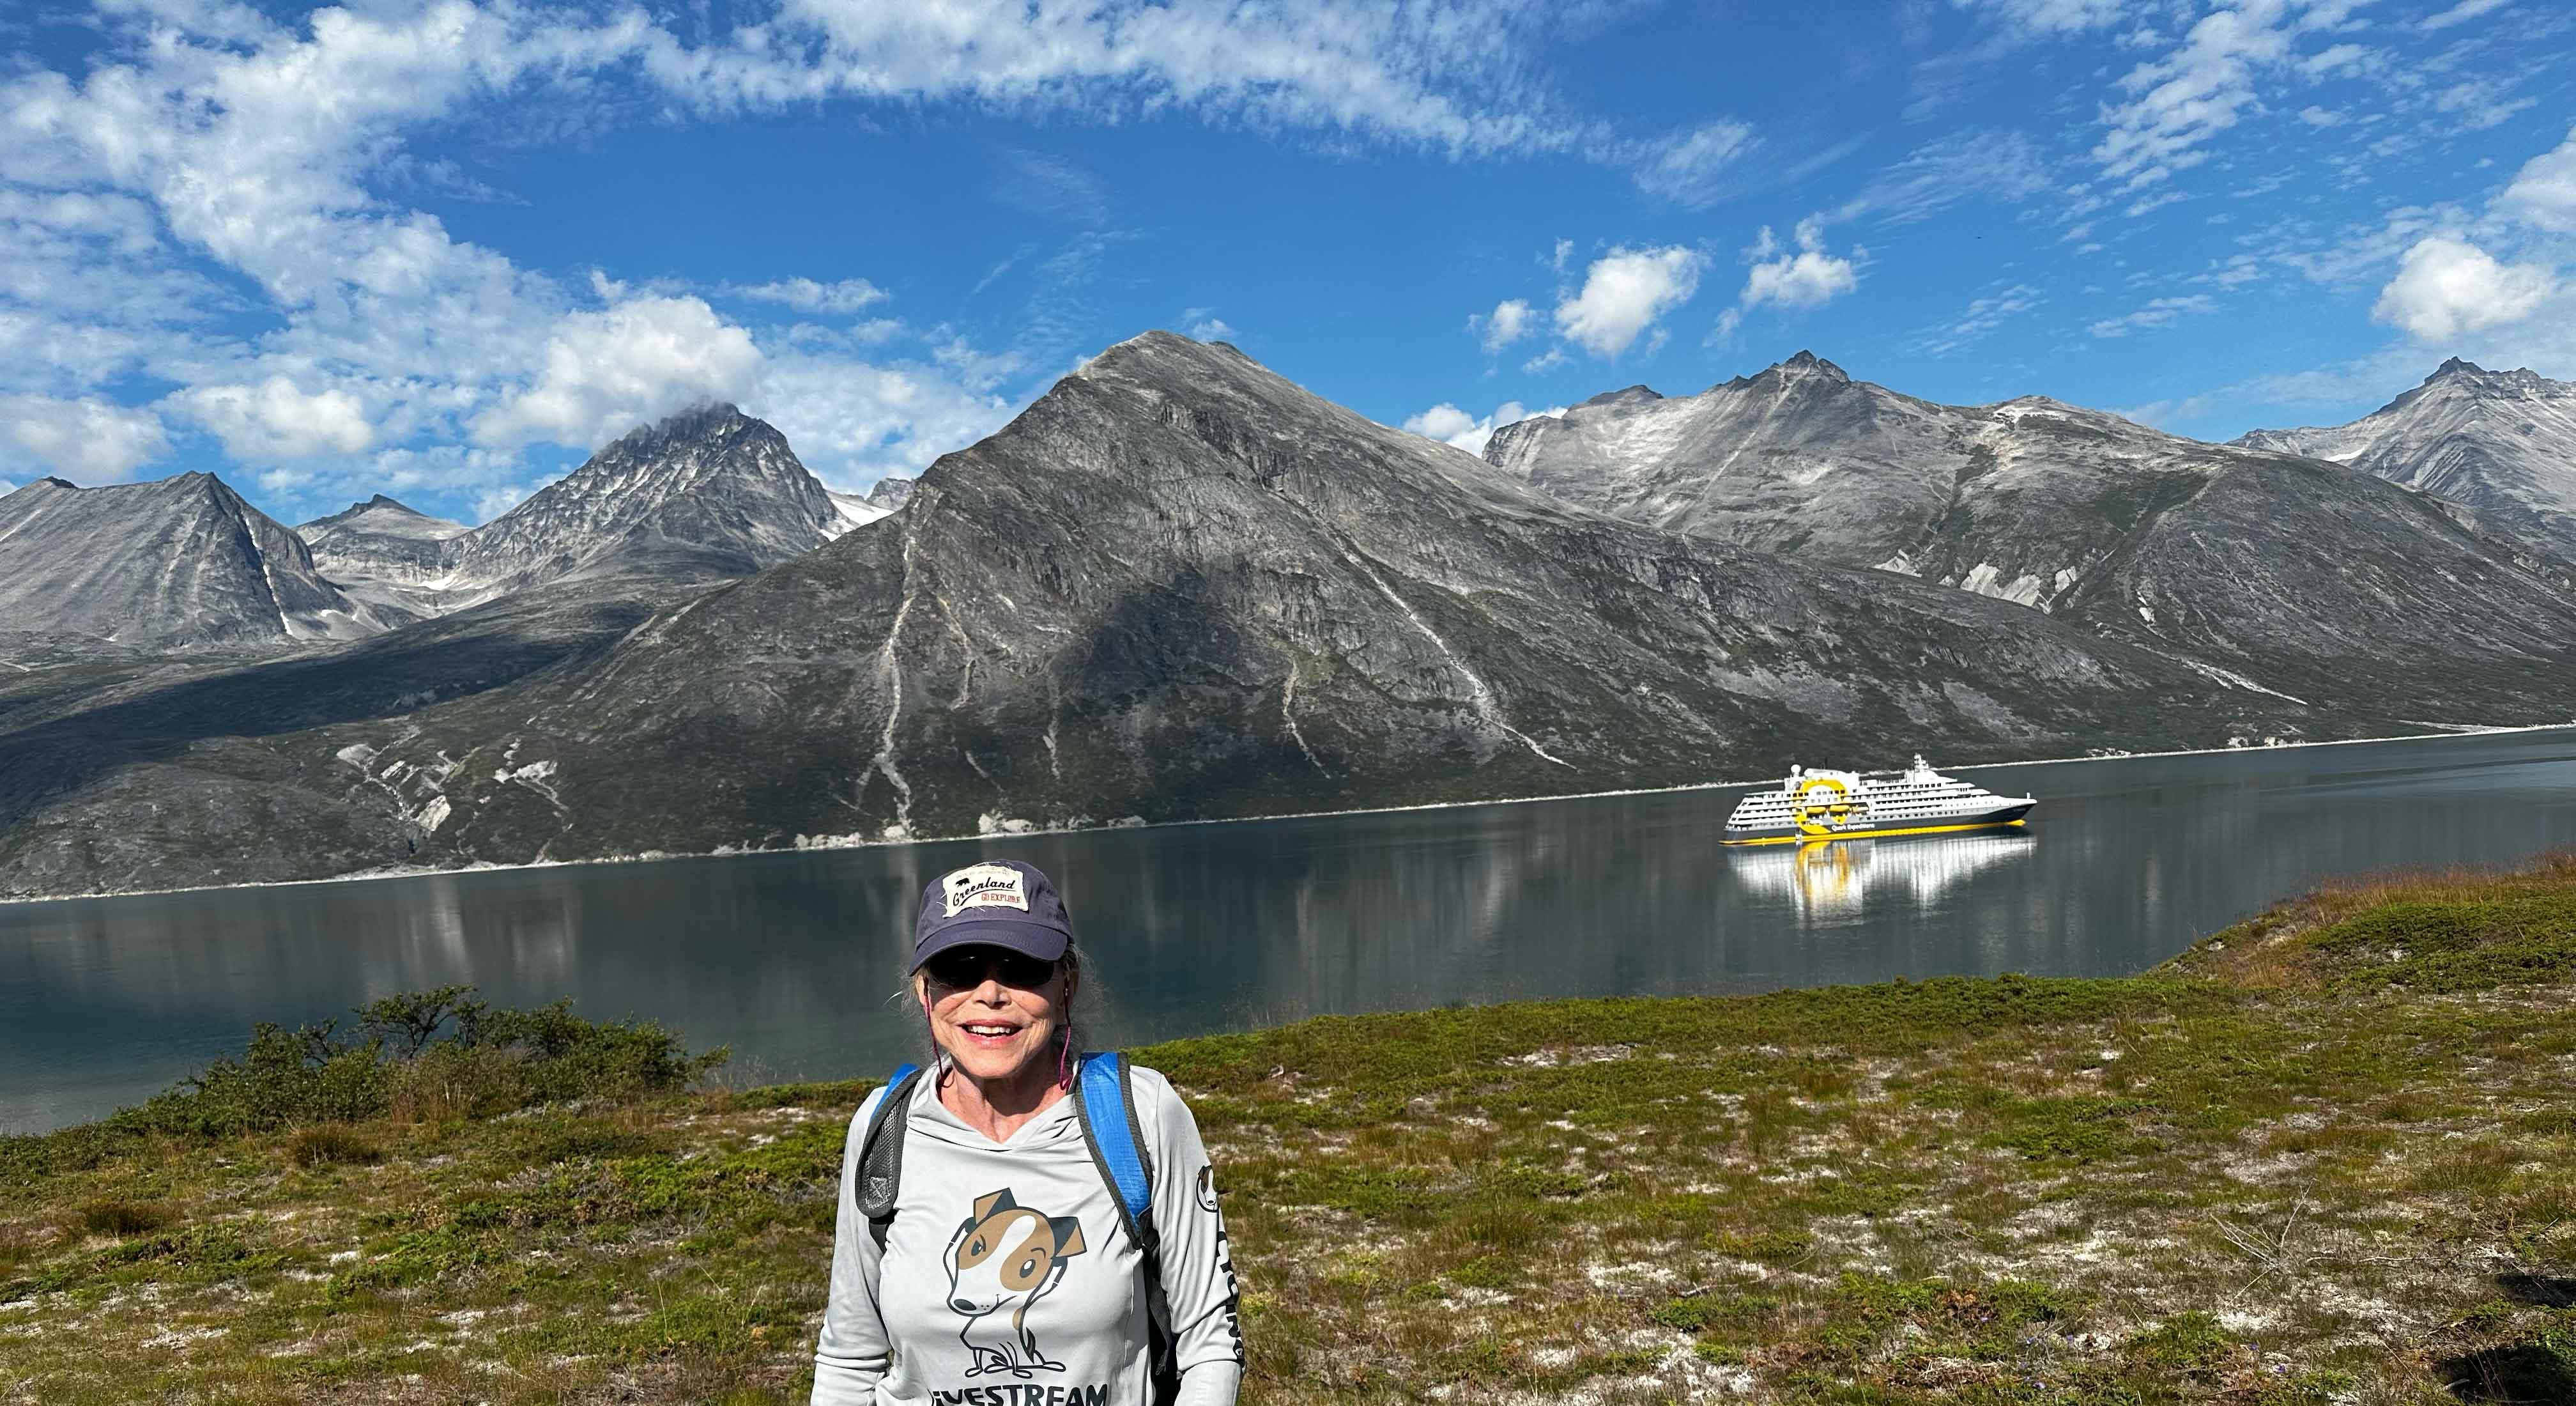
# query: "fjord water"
{"type": "Point", "coordinates": [792, 958]}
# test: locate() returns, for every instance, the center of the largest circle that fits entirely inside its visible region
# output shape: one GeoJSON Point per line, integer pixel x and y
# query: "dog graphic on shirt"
{"type": "Point", "coordinates": [1007, 1257]}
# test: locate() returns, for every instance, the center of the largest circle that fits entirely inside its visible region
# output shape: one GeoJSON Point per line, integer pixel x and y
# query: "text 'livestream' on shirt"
{"type": "Point", "coordinates": [1008, 1277]}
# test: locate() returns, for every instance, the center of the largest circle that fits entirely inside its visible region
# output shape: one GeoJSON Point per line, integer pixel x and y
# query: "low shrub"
{"type": "Point", "coordinates": [420, 1056]}
{"type": "Point", "coordinates": [122, 1218]}
{"type": "Point", "coordinates": [329, 1144]}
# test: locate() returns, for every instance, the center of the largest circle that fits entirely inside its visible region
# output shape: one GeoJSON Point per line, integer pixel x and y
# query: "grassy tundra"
{"type": "Point", "coordinates": [2326, 1156]}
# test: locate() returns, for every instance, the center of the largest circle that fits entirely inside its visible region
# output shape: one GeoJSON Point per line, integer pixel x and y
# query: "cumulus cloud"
{"type": "Point", "coordinates": [853, 422]}
{"type": "Point", "coordinates": [1809, 277]}
{"type": "Point", "coordinates": [1511, 320]}
{"type": "Point", "coordinates": [206, 161]}
{"type": "Point", "coordinates": [840, 298]}
{"type": "Point", "coordinates": [2155, 314]}
{"type": "Point", "coordinates": [276, 421]}
{"type": "Point", "coordinates": [2543, 193]}
{"type": "Point", "coordinates": [88, 440]}
{"type": "Point", "coordinates": [1206, 326]}
{"type": "Point", "coordinates": [1624, 292]}
{"type": "Point", "coordinates": [1455, 427]}
{"type": "Point", "coordinates": [2446, 286]}
{"type": "Point", "coordinates": [607, 371]}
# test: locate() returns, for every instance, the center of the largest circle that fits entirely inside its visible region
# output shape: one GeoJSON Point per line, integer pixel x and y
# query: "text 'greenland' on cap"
{"type": "Point", "coordinates": [993, 903]}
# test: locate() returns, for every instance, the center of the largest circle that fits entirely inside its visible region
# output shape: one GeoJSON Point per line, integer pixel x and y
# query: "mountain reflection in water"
{"type": "Point", "coordinates": [796, 960]}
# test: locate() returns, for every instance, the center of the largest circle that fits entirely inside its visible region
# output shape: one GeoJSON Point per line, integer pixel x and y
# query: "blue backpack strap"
{"type": "Point", "coordinates": [880, 1177]}
{"type": "Point", "coordinates": [1106, 1100]}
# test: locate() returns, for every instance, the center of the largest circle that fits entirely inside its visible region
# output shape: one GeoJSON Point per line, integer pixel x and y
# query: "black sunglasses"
{"type": "Point", "coordinates": [961, 967]}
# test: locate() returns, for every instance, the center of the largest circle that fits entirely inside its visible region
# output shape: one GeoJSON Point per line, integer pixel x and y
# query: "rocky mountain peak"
{"type": "Point", "coordinates": [2454, 367]}
{"type": "Point", "coordinates": [1801, 368]}
{"type": "Point", "coordinates": [1633, 395]}
{"type": "Point", "coordinates": [705, 492]}
{"type": "Point", "coordinates": [58, 483]}
{"type": "Point", "coordinates": [174, 563]}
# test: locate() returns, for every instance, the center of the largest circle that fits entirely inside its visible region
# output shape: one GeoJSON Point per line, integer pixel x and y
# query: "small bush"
{"type": "Point", "coordinates": [123, 1218]}
{"type": "Point", "coordinates": [328, 1145]}
{"type": "Point", "coordinates": [425, 1056]}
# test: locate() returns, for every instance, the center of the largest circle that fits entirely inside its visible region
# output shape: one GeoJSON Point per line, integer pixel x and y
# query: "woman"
{"type": "Point", "coordinates": [992, 1260]}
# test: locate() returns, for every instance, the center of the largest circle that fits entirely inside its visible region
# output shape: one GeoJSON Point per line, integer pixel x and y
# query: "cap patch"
{"type": "Point", "coordinates": [985, 886]}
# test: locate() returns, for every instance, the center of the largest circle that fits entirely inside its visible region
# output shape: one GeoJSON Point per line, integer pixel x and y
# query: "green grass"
{"type": "Point", "coordinates": [2322, 1157]}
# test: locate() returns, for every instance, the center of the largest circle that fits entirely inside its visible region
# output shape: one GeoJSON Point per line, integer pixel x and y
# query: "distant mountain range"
{"type": "Point", "coordinates": [2500, 442]}
{"type": "Point", "coordinates": [1178, 586]}
{"type": "Point", "coordinates": [2263, 568]}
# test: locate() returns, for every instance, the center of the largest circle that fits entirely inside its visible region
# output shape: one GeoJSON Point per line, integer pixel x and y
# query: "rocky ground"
{"type": "Point", "coordinates": [2325, 1156]}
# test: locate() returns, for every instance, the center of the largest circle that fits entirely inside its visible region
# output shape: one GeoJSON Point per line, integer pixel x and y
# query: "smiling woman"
{"type": "Point", "coordinates": [1063, 1229]}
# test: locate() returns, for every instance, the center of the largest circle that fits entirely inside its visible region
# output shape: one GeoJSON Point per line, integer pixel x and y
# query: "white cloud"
{"type": "Point", "coordinates": [1809, 278]}
{"type": "Point", "coordinates": [276, 420]}
{"type": "Point", "coordinates": [2460, 13]}
{"type": "Point", "coordinates": [1978, 164]}
{"type": "Point", "coordinates": [1544, 362]}
{"type": "Point", "coordinates": [2155, 314]}
{"type": "Point", "coordinates": [1453, 426]}
{"type": "Point", "coordinates": [852, 422]}
{"type": "Point", "coordinates": [1453, 78]}
{"type": "Point", "coordinates": [1982, 315]}
{"type": "Point", "coordinates": [608, 371]}
{"type": "Point", "coordinates": [1689, 168]}
{"type": "Point", "coordinates": [206, 168]}
{"type": "Point", "coordinates": [1564, 252]}
{"type": "Point", "coordinates": [1206, 326]}
{"type": "Point", "coordinates": [2543, 193]}
{"type": "Point", "coordinates": [2051, 18]}
{"type": "Point", "coordinates": [2446, 286]}
{"type": "Point", "coordinates": [2175, 105]}
{"type": "Point", "coordinates": [88, 441]}
{"type": "Point", "coordinates": [842, 298]}
{"type": "Point", "coordinates": [1511, 320]}
{"type": "Point", "coordinates": [1624, 292]}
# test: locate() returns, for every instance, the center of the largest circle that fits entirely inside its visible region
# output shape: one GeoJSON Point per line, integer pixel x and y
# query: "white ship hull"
{"type": "Point", "coordinates": [1812, 807]}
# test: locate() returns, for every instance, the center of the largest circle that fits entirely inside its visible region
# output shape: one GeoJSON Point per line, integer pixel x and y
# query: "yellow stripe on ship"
{"type": "Point", "coordinates": [1878, 834]}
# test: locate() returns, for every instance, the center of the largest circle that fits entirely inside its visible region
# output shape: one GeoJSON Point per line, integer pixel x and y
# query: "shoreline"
{"type": "Point", "coordinates": [2038, 1190]}
{"type": "Point", "coordinates": [660, 856]}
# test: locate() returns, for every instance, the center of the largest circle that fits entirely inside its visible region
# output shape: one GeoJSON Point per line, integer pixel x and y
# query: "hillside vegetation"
{"type": "Point", "coordinates": [2328, 1155]}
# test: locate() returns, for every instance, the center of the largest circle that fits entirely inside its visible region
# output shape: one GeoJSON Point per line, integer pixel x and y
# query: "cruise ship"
{"type": "Point", "coordinates": [1813, 804]}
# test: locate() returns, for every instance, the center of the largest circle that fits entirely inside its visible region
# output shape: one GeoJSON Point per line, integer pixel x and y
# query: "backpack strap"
{"type": "Point", "coordinates": [1105, 1097]}
{"type": "Point", "coordinates": [880, 1176]}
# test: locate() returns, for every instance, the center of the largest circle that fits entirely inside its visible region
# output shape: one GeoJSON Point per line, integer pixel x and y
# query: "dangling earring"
{"type": "Point", "coordinates": [1064, 1059]}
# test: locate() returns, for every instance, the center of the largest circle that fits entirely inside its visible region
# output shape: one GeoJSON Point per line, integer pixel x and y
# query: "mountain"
{"type": "Point", "coordinates": [2285, 572]}
{"type": "Point", "coordinates": [181, 563]}
{"type": "Point", "coordinates": [379, 539]}
{"type": "Point", "coordinates": [1178, 586]}
{"type": "Point", "coordinates": [2501, 442]}
{"type": "Point", "coordinates": [891, 492]}
{"type": "Point", "coordinates": [704, 494]}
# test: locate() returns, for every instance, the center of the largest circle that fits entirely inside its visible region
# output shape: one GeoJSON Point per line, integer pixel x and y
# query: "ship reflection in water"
{"type": "Point", "coordinates": [1842, 879]}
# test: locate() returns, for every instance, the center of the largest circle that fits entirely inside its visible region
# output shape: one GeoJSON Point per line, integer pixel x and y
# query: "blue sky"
{"type": "Point", "coordinates": [445, 249]}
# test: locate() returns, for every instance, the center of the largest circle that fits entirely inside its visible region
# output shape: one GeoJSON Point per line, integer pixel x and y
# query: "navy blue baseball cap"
{"type": "Point", "coordinates": [992, 903]}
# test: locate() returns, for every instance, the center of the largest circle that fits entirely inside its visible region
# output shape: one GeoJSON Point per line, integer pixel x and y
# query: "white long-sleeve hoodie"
{"type": "Point", "coordinates": [1008, 1277]}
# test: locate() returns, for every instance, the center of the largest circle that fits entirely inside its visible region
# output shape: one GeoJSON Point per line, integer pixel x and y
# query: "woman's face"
{"type": "Point", "coordinates": [992, 1029]}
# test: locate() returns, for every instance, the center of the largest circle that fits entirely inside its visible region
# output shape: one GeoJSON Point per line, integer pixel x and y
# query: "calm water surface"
{"type": "Point", "coordinates": [791, 958]}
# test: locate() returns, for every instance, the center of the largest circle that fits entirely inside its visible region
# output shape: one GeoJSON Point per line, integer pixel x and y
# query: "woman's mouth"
{"type": "Point", "coordinates": [989, 1033]}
